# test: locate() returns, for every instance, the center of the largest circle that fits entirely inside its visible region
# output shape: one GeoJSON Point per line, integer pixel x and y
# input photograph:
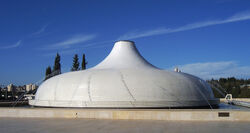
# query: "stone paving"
{"type": "Point", "coordinates": [49, 125]}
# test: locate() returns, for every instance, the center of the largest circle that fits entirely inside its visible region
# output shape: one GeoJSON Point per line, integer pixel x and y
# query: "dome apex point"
{"type": "Point", "coordinates": [125, 41]}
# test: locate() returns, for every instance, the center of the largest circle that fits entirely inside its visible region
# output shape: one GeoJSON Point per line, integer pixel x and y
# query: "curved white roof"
{"type": "Point", "coordinates": [124, 79]}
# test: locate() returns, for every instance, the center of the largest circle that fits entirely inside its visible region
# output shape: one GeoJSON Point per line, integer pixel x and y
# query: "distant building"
{"type": "Point", "coordinates": [21, 89]}
{"type": "Point", "coordinates": [10, 87]}
{"type": "Point", "coordinates": [31, 87]}
{"type": "Point", "coordinates": [34, 87]}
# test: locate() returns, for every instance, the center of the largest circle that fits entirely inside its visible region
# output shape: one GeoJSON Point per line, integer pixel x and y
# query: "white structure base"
{"type": "Point", "coordinates": [129, 114]}
{"type": "Point", "coordinates": [125, 104]}
{"type": "Point", "coordinates": [124, 79]}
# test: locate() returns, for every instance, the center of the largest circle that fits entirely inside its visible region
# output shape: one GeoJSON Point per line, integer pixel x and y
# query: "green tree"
{"type": "Point", "coordinates": [75, 66]}
{"type": "Point", "coordinates": [57, 65]}
{"type": "Point", "coordinates": [84, 62]}
{"type": "Point", "coordinates": [237, 87]}
{"type": "Point", "coordinates": [48, 73]}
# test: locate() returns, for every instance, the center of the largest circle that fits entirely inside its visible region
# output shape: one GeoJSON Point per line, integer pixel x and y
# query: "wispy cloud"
{"type": "Point", "coordinates": [40, 30]}
{"type": "Point", "coordinates": [94, 45]}
{"type": "Point", "coordinates": [98, 44]}
{"type": "Point", "coordinates": [61, 52]}
{"type": "Point", "coordinates": [12, 46]}
{"type": "Point", "coordinates": [139, 34]}
{"type": "Point", "coordinates": [216, 70]}
{"type": "Point", "coordinates": [76, 39]}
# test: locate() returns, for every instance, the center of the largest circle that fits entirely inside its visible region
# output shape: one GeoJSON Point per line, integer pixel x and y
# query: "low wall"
{"type": "Point", "coordinates": [242, 99]}
{"type": "Point", "coordinates": [237, 99]}
{"type": "Point", "coordinates": [132, 114]}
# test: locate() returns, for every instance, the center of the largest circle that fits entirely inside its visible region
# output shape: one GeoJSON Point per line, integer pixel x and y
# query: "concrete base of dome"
{"type": "Point", "coordinates": [124, 104]}
{"type": "Point", "coordinates": [130, 114]}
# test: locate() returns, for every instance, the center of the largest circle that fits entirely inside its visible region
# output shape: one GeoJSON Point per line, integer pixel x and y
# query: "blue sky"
{"type": "Point", "coordinates": [207, 38]}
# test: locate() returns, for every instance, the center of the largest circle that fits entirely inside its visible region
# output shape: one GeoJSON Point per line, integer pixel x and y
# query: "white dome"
{"type": "Point", "coordinates": [124, 79]}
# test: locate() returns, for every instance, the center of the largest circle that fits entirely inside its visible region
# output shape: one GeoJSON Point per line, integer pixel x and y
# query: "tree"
{"type": "Point", "coordinates": [84, 63]}
{"type": "Point", "coordinates": [48, 73]}
{"type": "Point", "coordinates": [75, 66]}
{"type": "Point", "coordinates": [237, 87]}
{"type": "Point", "coordinates": [57, 65]}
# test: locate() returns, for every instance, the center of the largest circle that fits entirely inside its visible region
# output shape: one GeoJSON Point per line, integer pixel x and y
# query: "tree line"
{"type": "Point", "coordinates": [239, 88]}
{"type": "Point", "coordinates": [57, 66]}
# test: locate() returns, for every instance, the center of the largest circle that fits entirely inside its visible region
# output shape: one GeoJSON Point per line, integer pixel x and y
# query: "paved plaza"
{"type": "Point", "coordinates": [48, 125]}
